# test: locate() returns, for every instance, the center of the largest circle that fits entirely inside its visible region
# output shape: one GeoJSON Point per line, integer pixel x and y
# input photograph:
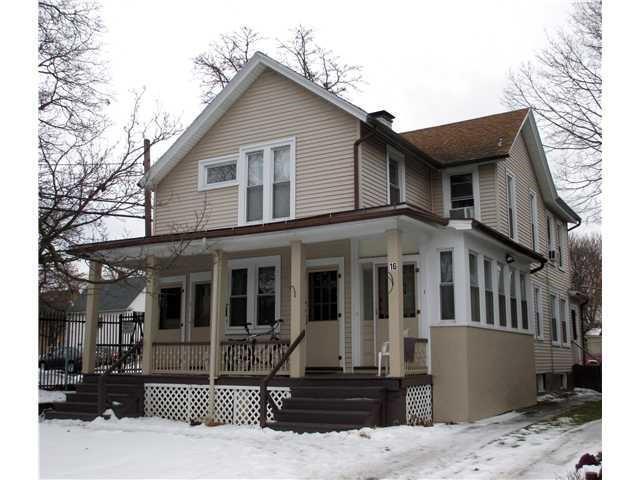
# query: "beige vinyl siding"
{"type": "Point", "coordinates": [272, 108]}
{"type": "Point", "coordinates": [436, 193]}
{"type": "Point", "coordinates": [373, 174]}
{"type": "Point", "coordinates": [418, 185]}
{"type": "Point", "coordinates": [488, 198]}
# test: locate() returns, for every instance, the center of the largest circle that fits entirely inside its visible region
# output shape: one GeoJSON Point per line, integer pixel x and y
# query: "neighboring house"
{"type": "Point", "coordinates": [594, 343]}
{"type": "Point", "coordinates": [444, 249]}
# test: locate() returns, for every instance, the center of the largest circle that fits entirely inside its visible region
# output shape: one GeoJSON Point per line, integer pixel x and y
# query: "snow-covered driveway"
{"type": "Point", "coordinates": [508, 446]}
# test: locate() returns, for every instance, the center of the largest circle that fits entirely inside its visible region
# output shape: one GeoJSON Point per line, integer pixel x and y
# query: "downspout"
{"type": "Point", "coordinates": [356, 169]}
{"type": "Point", "coordinates": [538, 268]}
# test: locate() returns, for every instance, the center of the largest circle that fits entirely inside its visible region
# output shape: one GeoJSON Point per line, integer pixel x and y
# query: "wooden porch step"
{"type": "Point", "coordinates": [83, 407]}
{"type": "Point", "coordinates": [303, 403]}
{"type": "Point", "coordinates": [309, 427]}
{"type": "Point", "coordinates": [329, 417]}
{"type": "Point", "coordinates": [93, 396]}
{"type": "Point", "coordinates": [70, 415]}
{"type": "Point", "coordinates": [343, 392]}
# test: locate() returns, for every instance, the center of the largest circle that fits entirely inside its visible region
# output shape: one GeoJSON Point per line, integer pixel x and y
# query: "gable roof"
{"type": "Point", "coordinates": [223, 101]}
{"type": "Point", "coordinates": [113, 296]}
{"type": "Point", "coordinates": [478, 139]}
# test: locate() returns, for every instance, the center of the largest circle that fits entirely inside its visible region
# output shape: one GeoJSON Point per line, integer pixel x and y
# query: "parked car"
{"type": "Point", "coordinates": [62, 358]}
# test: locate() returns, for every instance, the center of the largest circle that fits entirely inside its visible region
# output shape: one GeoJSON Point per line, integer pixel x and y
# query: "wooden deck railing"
{"type": "Point", "coordinates": [178, 357]}
{"type": "Point", "coordinates": [420, 358]}
{"type": "Point", "coordinates": [252, 358]}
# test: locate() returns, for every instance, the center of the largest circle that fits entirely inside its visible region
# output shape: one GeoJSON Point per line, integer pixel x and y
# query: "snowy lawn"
{"type": "Point", "coordinates": [48, 396]}
{"type": "Point", "coordinates": [513, 445]}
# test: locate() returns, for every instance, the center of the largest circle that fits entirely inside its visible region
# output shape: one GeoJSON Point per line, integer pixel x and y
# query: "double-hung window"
{"type": "Point", "coordinates": [267, 187]}
{"type": "Point", "coordinates": [447, 301]}
{"type": "Point", "coordinates": [537, 312]}
{"type": "Point", "coordinates": [395, 177]}
{"type": "Point", "coordinates": [461, 194]}
{"type": "Point", "coordinates": [254, 286]}
{"type": "Point", "coordinates": [563, 321]}
{"type": "Point", "coordinates": [551, 239]}
{"type": "Point", "coordinates": [513, 298]}
{"type": "Point", "coordinates": [511, 206]}
{"type": "Point", "coordinates": [523, 301]}
{"type": "Point", "coordinates": [474, 287]}
{"type": "Point", "coordinates": [533, 219]}
{"type": "Point", "coordinates": [502, 301]}
{"type": "Point", "coordinates": [488, 290]}
{"type": "Point", "coordinates": [217, 172]}
{"type": "Point", "coordinates": [554, 319]}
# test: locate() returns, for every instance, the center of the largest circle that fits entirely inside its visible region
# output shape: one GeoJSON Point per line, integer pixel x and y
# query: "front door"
{"type": "Point", "coordinates": [323, 346]}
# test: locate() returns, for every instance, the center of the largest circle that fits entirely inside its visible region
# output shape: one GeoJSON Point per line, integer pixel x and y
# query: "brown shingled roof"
{"type": "Point", "coordinates": [469, 140]}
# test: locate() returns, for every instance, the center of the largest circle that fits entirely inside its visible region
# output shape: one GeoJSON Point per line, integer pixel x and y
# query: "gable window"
{"type": "Point", "coordinates": [559, 244]}
{"type": "Point", "coordinates": [502, 301]}
{"type": "Point", "coordinates": [474, 287]}
{"type": "Point", "coordinates": [523, 301]}
{"type": "Point", "coordinates": [563, 321]}
{"type": "Point", "coordinates": [511, 206]}
{"type": "Point", "coordinates": [554, 319]}
{"type": "Point", "coordinates": [533, 220]}
{"type": "Point", "coordinates": [254, 286]}
{"type": "Point", "coordinates": [538, 316]}
{"type": "Point", "coordinates": [488, 290]}
{"type": "Point", "coordinates": [267, 186]}
{"type": "Point", "coordinates": [170, 308]}
{"type": "Point", "coordinates": [395, 177]}
{"type": "Point", "coordinates": [217, 172]}
{"type": "Point", "coordinates": [513, 298]}
{"type": "Point", "coordinates": [447, 303]}
{"type": "Point", "coordinates": [461, 194]}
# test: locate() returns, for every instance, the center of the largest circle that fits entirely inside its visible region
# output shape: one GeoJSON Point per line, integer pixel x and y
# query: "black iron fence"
{"type": "Point", "coordinates": [61, 342]}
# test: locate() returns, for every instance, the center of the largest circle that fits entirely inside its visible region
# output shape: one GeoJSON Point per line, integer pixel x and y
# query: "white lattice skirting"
{"type": "Point", "coordinates": [239, 405]}
{"type": "Point", "coordinates": [419, 406]}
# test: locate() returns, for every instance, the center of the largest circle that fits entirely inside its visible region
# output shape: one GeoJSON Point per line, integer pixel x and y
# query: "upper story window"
{"type": "Point", "coordinates": [395, 177]}
{"type": "Point", "coordinates": [267, 182]}
{"type": "Point", "coordinates": [447, 302]}
{"type": "Point", "coordinates": [563, 322]}
{"type": "Point", "coordinates": [217, 172]}
{"type": "Point", "coordinates": [461, 195]}
{"type": "Point", "coordinates": [551, 244]}
{"type": "Point", "coordinates": [533, 219]}
{"type": "Point", "coordinates": [511, 206]}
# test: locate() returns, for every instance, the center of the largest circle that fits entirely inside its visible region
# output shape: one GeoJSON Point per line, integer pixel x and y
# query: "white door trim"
{"type": "Point", "coordinates": [332, 261]}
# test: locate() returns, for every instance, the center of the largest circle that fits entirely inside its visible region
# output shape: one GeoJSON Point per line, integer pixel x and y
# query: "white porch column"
{"type": "Point", "coordinates": [91, 319]}
{"type": "Point", "coordinates": [218, 269]}
{"type": "Point", "coordinates": [151, 314]}
{"type": "Point", "coordinates": [297, 361]}
{"type": "Point", "coordinates": [396, 320]}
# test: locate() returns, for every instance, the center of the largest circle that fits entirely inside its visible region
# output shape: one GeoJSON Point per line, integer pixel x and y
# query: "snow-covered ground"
{"type": "Point", "coordinates": [48, 396]}
{"type": "Point", "coordinates": [513, 445]}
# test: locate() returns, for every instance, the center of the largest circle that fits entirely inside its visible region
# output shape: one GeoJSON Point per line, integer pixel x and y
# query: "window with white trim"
{"type": "Point", "coordinates": [254, 293]}
{"type": "Point", "coordinates": [502, 300]}
{"type": "Point", "coordinates": [511, 206]}
{"type": "Point", "coordinates": [538, 313]}
{"type": "Point", "coordinates": [524, 307]}
{"type": "Point", "coordinates": [551, 244]}
{"type": "Point", "coordinates": [217, 172]}
{"type": "Point", "coordinates": [395, 177]}
{"type": "Point", "coordinates": [488, 290]}
{"type": "Point", "coordinates": [574, 323]}
{"type": "Point", "coordinates": [533, 219]}
{"type": "Point", "coordinates": [267, 182]}
{"type": "Point", "coordinates": [553, 304]}
{"type": "Point", "coordinates": [461, 196]}
{"type": "Point", "coordinates": [513, 298]}
{"type": "Point", "coordinates": [474, 287]}
{"type": "Point", "coordinates": [563, 322]}
{"type": "Point", "coordinates": [447, 301]}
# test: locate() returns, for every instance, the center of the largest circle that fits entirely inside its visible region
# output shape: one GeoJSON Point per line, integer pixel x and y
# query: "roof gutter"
{"type": "Point", "coordinates": [576, 225]}
{"type": "Point", "coordinates": [538, 268]}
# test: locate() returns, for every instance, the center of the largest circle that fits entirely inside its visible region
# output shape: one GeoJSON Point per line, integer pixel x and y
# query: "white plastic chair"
{"type": "Point", "coordinates": [384, 352]}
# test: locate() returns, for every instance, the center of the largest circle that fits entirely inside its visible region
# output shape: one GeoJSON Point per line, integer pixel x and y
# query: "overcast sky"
{"type": "Point", "coordinates": [428, 62]}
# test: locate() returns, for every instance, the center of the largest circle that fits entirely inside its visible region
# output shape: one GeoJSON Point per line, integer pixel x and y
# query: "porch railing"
{"type": "Point", "coordinates": [418, 364]}
{"type": "Point", "coordinates": [252, 358]}
{"type": "Point", "coordinates": [176, 357]}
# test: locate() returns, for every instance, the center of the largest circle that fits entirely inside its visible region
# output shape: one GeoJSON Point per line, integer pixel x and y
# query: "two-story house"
{"type": "Point", "coordinates": [419, 276]}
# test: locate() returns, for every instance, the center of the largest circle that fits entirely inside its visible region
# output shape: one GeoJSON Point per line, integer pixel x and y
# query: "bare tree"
{"type": "Point", "coordinates": [586, 274]}
{"type": "Point", "coordinates": [563, 86]}
{"type": "Point", "coordinates": [217, 66]}
{"type": "Point", "coordinates": [83, 180]}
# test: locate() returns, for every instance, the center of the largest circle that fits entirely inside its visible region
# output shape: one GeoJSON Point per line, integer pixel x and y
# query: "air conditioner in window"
{"type": "Point", "coordinates": [552, 254]}
{"type": "Point", "coordinates": [461, 213]}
